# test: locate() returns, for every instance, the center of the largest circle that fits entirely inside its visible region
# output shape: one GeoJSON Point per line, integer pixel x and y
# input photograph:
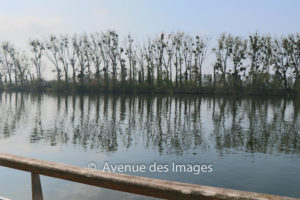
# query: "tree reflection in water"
{"type": "Point", "coordinates": [167, 124]}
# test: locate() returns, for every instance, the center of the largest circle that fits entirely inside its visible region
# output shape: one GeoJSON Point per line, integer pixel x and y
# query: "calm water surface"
{"type": "Point", "coordinates": [252, 143]}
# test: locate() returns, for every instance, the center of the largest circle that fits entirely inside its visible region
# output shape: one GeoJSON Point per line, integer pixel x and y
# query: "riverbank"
{"type": "Point", "coordinates": [149, 89]}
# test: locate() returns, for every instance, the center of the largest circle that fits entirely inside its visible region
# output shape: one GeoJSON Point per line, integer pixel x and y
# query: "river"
{"type": "Point", "coordinates": [250, 143]}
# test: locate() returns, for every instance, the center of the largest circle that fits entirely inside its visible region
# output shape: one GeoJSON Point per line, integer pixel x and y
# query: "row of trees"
{"type": "Point", "coordinates": [175, 60]}
{"type": "Point", "coordinates": [259, 61]}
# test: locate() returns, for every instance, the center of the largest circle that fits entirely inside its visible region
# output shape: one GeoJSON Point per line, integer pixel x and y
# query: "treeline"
{"type": "Point", "coordinates": [169, 62]}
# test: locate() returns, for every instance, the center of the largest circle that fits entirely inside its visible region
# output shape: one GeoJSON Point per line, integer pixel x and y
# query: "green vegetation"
{"type": "Point", "coordinates": [97, 62]}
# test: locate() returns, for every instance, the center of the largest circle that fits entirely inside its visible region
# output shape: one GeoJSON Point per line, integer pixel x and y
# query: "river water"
{"type": "Point", "coordinates": [250, 143]}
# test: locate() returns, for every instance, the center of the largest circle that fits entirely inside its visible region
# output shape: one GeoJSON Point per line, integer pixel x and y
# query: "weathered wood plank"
{"type": "Point", "coordinates": [3, 198]}
{"type": "Point", "coordinates": [127, 183]}
{"type": "Point", "coordinates": [36, 187]}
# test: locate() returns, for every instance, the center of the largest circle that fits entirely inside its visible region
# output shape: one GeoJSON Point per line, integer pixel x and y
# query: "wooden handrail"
{"type": "Point", "coordinates": [125, 183]}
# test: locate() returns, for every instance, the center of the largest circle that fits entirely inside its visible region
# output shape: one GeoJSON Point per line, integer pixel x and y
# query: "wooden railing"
{"type": "Point", "coordinates": [121, 182]}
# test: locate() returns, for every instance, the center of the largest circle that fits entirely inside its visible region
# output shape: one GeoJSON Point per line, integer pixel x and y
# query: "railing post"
{"type": "Point", "coordinates": [36, 187]}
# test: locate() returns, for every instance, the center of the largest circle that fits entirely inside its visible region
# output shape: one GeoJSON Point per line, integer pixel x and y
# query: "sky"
{"type": "Point", "coordinates": [21, 20]}
{"type": "Point", "coordinates": [24, 19]}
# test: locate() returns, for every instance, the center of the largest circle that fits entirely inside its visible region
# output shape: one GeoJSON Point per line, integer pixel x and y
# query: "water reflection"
{"type": "Point", "coordinates": [169, 125]}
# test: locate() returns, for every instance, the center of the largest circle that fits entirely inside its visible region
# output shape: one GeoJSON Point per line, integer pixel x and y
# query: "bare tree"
{"type": "Point", "coordinates": [140, 57]}
{"type": "Point", "coordinates": [62, 55]}
{"type": "Point", "coordinates": [52, 47]}
{"type": "Point", "coordinates": [130, 56]}
{"type": "Point", "coordinates": [105, 57]}
{"type": "Point", "coordinates": [37, 48]}
{"type": "Point", "coordinates": [237, 56]}
{"type": "Point", "coordinates": [113, 43]}
{"type": "Point", "coordinates": [177, 40]}
{"type": "Point", "coordinates": [222, 51]}
{"type": "Point", "coordinates": [200, 54]}
{"type": "Point", "coordinates": [7, 62]}
{"type": "Point", "coordinates": [255, 54]}
{"type": "Point", "coordinates": [187, 57]}
{"type": "Point", "coordinates": [81, 48]}
{"type": "Point", "coordinates": [281, 60]}
{"type": "Point", "coordinates": [122, 62]}
{"type": "Point", "coordinates": [95, 52]}
{"type": "Point", "coordinates": [293, 50]}
{"type": "Point", "coordinates": [71, 46]}
{"type": "Point", "coordinates": [167, 60]}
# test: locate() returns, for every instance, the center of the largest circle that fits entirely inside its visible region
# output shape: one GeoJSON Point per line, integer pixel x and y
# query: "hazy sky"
{"type": "Point", "coordinates": [24, 19]}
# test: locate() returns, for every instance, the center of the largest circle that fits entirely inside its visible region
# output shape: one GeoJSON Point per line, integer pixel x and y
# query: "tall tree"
{"type": "Point", "coordinates": [255, 54]}
{"type": "Point", "coordinates": [72, 55]}
{"type": "Point", "coordinates": [187, 56]}
{"type": "Point", "coordinates": [123, 66]}
{"type": "Point", "coordinates": [200, 54]}
{"type": "Point", "coordinates": [267, 59]}
{"type": "Point", "coordinates": [223, 50]}
{"type": "Point", "coordinates": [178, 42]}
{"type": "Point", "coordinates": [105, 57]}
{"type": "Point", "coordinates": [113, 45]}
{"type": "Point", "coordinates": [238, 55]}
{"type": "Point", "coordinates": [52, 48]}
{"type": "Point", "coordinates": [167, 60]}
{"type": "Point", "coordinates": [96, 54]}
{"type": "Point", "coordinates": [130, 55]}
{"type": "Point", "coordinates": [37, 48]}
{"type": "Point", "coordinates": [62, 55]}
{"type": "Point", "coordinates": [293, 52]}
{"type": "Point", "coordinates": [281, 60]}
{"type": "Point", "coordinates": [80, 46]}
{"type": "Point", "coordinates": [7, 62]}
